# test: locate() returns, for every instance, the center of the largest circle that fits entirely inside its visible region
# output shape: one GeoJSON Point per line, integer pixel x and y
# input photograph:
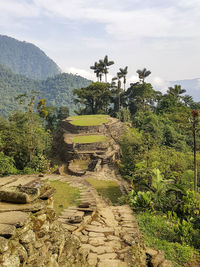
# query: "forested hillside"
{"type": "Point", "coordinates": [57, 90]}
{"type": "Point", "coordinates": [26, 58]}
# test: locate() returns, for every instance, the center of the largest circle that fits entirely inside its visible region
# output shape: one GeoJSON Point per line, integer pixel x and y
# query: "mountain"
{"type": "Point", "coordinates": [26, 59]}
{"type": "Point", "coordinates": [57, 90]}
{"type": "Point", "coordinates": [192, 87]}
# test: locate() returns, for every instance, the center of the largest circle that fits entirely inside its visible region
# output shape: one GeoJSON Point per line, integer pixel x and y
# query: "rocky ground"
{"type": "Point", "coordinates": [109, 235]}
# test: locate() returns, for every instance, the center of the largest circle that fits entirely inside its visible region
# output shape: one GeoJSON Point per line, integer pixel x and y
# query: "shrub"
{"type": "Point", "coordinates": [7, 165]}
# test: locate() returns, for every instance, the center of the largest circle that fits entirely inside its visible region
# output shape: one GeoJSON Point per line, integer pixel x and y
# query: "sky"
{"type": "Point", "coordinates": [160, 35]}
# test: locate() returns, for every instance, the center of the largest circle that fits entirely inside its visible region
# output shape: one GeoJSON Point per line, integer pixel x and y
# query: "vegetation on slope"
{"type": "Point", "coordinates": [26, 59]}
{"type": "Point", "coordinates": [57, 91]}
{"type": "Point", "coordinates": [157, 152]}
{"type": "Point", "coordinates": [157, 157]}
{"type": "Point", "coordinates": [161, 233]}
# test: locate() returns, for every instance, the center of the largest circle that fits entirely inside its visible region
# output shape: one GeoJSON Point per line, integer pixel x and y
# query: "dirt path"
{"type": "Point", "coordinates": [106, 232]}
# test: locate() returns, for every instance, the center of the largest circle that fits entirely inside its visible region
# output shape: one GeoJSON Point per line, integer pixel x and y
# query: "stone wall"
{"type": "Point", "coordinates": [99, 153]}
{"type": "Point", "coordinates": [30, 234]}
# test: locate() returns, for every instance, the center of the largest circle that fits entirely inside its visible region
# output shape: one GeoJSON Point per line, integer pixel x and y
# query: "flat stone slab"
{"type": "Point", "coordinates": [19, 194]}
{"type": "Point", "coordinates": [107, 256]}
{"type": "Point", "coordinates": [112, 263]}
{"type": "Point", "coordinates": [16, 218]}
{"type": "Point", "coordinates": [7, 230]}
{"type": "Point", "coordinates": [99, 229]}
{"type": "Point", "coordinates": [22, 207]}
{"type": "Point", "coordinates": [22, 181]}
{"type": "Point", "coordinates": [7, 180]}
{"type": "Point", "coordinates": [70, 228]}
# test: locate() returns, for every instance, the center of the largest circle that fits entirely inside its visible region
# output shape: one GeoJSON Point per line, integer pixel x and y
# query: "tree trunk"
{"type": "Point", "coordinates": [195, 152]}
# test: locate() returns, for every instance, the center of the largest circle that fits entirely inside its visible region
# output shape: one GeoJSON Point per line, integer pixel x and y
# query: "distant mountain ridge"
{"type": "Point", "coordinates": [26, 59]}
{"type": "Point", "coordinates": [192, 87]}
{"type": "Point", "coordinates": [57, 90]}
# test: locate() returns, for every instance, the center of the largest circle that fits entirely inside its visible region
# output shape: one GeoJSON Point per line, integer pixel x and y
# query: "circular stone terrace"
{"type": "Point", "coordinates": [85, 125]}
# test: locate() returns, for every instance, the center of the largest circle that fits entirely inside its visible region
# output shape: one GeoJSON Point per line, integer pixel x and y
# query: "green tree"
{"type": "Point", "coordinates": [143, 74]}
{"type": "Point", "coordinates": [176, 91]}
{"type": "Point", "coordinates": [122, 74]}
{"type": "Point", "coordinates": [94, 99]}
{"type": "Point", "coordinates": [140, 96]}
{"type": "Point", "coordinates": [104, 64]}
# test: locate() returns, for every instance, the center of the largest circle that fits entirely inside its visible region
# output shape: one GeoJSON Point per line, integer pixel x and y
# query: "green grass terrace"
{"type": "Point", "coordinates": [85, 139]}
{"type": "Point", "coordinates": [89, 120]}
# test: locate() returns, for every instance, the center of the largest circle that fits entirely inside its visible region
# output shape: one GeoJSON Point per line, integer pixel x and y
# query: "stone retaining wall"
{"type": "Point", "coordinates": [30, 234]}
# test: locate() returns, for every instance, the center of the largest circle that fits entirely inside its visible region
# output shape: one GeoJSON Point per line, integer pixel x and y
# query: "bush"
{"type": "Point", "coordinates": [7, 165]}
{"type": "Point", "coordinates": [39, 163]}
{"type": "Point", "coordinates": [141, 200]}
{"type": "Point", "coordinates": [160, 233]}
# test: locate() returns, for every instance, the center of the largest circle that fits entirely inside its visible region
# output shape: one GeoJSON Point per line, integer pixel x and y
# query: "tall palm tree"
{"type": "Point", "coordinates": [98, 70]}
{"type": "Point", "coordinates": [104, 64]}
{"type": "Point", "coordinates": [95, 68]}
{"type": "Point", "coordinates": [143, 74]}
{"type": "Point", "coordinates": [122, 73]}
{"type": "Point", "coordinates": [118, 77]}
{"type": "Point", "coordinates": [176, 91]}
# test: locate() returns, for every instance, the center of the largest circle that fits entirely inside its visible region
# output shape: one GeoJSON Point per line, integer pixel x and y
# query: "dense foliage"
{"type": "Point", "coordinates": [157, 159]}
{"type": "Point", "coordinates": [57, 91]}
{"type": "Point", "coordinates": [24, 144]}
{"type": "Point", "coordinates": [26, 58]}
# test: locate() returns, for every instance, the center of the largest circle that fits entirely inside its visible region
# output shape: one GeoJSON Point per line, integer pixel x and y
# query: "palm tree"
{"type": "Point", "coordinates": [98, 70]}
{"type": "Point", "coordinates": [176, 91]}
{"type": "Point", "coordinates": [143, 74]}
{"type": "Point", "coordinates": [104, 64]}
{"type": "Point", "coordinates": [122, 74]}
{"type": "Point", "coordinates": [118, 77]}
{"type": "Point", "coordinates": [95, 68]}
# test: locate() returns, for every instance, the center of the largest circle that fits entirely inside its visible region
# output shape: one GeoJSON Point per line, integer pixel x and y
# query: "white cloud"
{"type": "Point", "coordinates": [163, 35]}
{"type": "Point", "coordinates": [132, 79]}
{"type": "Point", "coordinates": [178, 20]}
{"type": "Point", "coordinates": [18, 9]}
{"type": "Point", "coordinates": [84, 73]}
{"type": "Point", "coordinates": [159, 84]}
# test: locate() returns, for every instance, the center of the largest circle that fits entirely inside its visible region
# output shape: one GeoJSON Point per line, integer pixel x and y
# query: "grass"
{"type": "Point", "coordinates": [159, 234]}
{"type": "Point", "coordinates": [107, 189]}
{"type": "Point", "coordinates": [65, 196]}
{"type": "Point", "coordinates": [89, 120]}
{"type": "Point", "coordinates": [83, 139]}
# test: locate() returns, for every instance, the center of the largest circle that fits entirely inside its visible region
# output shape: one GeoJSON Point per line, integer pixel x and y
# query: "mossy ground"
{"type": "Point", "coordinates": [89, 120]}
{"type": "Point", "coordinates": [84, 139]}
{"type": "Point", "coordinates": [107, 189]}
{"type": "Point", "coordinates": [65, 196]}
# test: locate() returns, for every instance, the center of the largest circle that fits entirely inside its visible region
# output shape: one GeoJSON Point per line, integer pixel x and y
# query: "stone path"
{"type": "Point", "coordinates": [106, 232]}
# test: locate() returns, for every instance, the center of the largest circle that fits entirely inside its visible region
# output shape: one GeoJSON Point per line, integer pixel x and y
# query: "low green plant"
{"type": "Point", "coordinates": [39, 163]}
{"type": "Point", "coordinates": [160, 233]}
{"type": "Point", "coordinates": [141, 200]}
